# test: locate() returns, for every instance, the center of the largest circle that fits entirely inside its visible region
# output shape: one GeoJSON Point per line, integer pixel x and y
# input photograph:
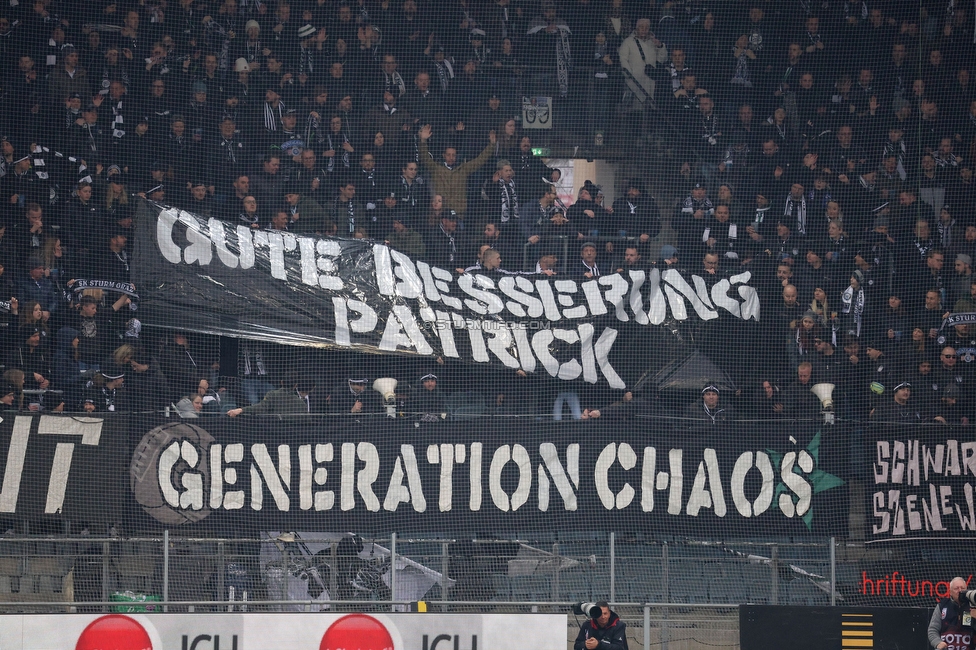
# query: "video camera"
{"type": "Point", "coordinates": [594, 611]}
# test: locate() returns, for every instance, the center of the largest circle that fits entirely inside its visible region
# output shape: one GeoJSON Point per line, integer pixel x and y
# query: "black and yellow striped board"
{"type": "Point", "coordinates": [832, 628]}
{"type": "Point", "coordinates": [857, 631]}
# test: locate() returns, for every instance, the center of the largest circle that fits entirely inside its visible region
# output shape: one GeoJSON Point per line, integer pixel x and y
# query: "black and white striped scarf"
{"type": "Point", "coordinates": [272, 116]}
{"type": "Point", "coordinates": [445, 72]}
{"type": "Point", "coordinates": [118, 123]}
{"type": "Point", "coordinates": [510, 203]}
{"type": "Point", "coordinates": [945, 233]}
{"type": "Point", "coordinates": [801, 213]}
{"type": "Point", "coordinates": [854, 305]}
{"type": "Point", "coordinates": [450, 240]}
{"type": "Point", "coordinates": [394, 83]}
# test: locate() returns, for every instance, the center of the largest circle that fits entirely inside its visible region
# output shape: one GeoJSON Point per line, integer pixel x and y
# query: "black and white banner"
{"type": "Point", "coordinates": [218, 277]}
{"type": "Point", "coordinates": [921, 483]}
{"type": "Point", "coordinates": [337, 473]}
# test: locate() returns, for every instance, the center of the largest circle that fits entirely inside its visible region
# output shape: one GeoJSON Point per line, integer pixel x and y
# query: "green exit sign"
{"type": "Point", "coordinates": [541, 151]}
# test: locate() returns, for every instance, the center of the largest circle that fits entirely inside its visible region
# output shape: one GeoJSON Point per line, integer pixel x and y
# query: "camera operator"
{"type": "Point", "coordinates": [606, 632]}
{"type": "Point", "coordinates": [951, 626]}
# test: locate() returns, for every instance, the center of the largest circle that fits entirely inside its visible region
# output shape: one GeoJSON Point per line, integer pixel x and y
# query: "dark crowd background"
{"type": "Point", "coordinates": [823, 146]}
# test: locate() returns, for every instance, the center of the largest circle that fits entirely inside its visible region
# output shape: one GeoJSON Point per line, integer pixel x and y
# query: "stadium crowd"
{"type": "Point", "coordinates": [826, 147]}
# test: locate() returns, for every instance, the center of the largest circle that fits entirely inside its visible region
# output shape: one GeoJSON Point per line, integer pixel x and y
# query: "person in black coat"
{"type": "Point", "coordinates": [354, 396]}
{"type": "Point", "coordinates": [637, 214]}
{"type": "Point", "coordinates": [429, 402]}
{"type": "Point", "coordinates": [445, 243]}
{"type": "Point", "coordinates": [708, 409]}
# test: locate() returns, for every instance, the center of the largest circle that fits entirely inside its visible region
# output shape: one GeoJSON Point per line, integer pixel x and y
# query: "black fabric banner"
{"type": "Point", "coordinates": [377, 475]}
{"type": "Point", "coordinates": [219, 277]}
{"type": "Point", "coordinates": [63, 466]}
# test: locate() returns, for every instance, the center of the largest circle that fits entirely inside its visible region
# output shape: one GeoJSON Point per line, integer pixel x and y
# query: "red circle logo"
{"type": "Point", "coordinates": [356, 632]}
{"type": "Point", "coordinates": [114, 632]}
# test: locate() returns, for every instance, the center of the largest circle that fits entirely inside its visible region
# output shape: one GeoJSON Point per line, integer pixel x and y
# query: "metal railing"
{"type": "Point", "coordinates": [86, 571]}
{"type": "Point", "coordinates": [666, 591]}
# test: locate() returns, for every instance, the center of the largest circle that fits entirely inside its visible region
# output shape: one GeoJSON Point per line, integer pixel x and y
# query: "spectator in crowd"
{"type": "Point", "coordinates": [291, 398]}
{"type": "Point", "coordinates": [708, 409]}
{"type": "Point", "coordinates": [354, 396]}
{"type": "Point", "coordinates": [428, 400]}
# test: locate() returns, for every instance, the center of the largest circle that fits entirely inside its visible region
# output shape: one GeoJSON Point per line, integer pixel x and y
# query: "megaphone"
{"type": "Point", "coordinates": [386, 387]}
{"type": "Point", "coordinates": [590, 610]}
{"type": "Point", "coordinates": [824, 393]}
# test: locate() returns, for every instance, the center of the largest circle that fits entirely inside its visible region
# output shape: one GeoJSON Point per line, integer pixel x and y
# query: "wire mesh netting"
{"type": "Point", "coordinates": [496, 305]}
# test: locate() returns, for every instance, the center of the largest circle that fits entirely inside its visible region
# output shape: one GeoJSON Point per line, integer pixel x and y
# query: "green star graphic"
{"type": "Point", "coordinates": [819, 479]}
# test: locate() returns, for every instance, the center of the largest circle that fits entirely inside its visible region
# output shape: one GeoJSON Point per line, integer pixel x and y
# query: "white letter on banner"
{"type": "Point", "coordinates": [317, 255]}
{"type": "Point", "coordinates": [168, 248]}
{"type": "Point", "coordinates": [219, 240]}
{"type": "Point", "coordinates": [430, 286]}
{"type": "Point", "coordinates": [677, 481]}
{"type": "Point", "coordinates": [277, 479]}
{"type": "Point", "coordinates": [445, 456]}
{"type": "Point", "coordinates": [741, 469]}
{"type": "Point", "coordinates": [796, 483]}
{"type": "Point", "coordinates": [750, 297]}
{"type": "Point", "coordinates": [90, 431]}
{"type": "Point", "coordinates": [309, 474]}
{"type": "Point", "coordinates": [442, 281]}
{"type": "Point", "coordinates": [246, 246]}
{"type": "Point", "coordinates": [409, 285]}
{"type": "Point", "coordinates": [216, 478]}
{"type": "Point", "coordinates": [628, 460]}
{"type": "Point", "coordinates": [544, 289]}
{"type": "Point", "coordinates": [192, 497]}
{"type": "Point", "coordinates": [565, 290]}
{"type": "Point", "coordinates": [499, 340]}
{"type": "Point", "coordinates": [657, 306]}
{"type": "Point", "coordinates": [501, 457]}
{"type": "Point", "coordinates": [402, 331]}
{"type": "Point", "coordinates": [594, 297]}
{"type": "Point", "coordinates": [586, 346]}
{"type": "Point", "coordinates": [702, 290]}
{"type": "Point", "coordinates": [476, 340]}
{"type": "Point", "coordinates": [711, 496]}
{"type": "Point", "coordinates": [200, 249]}
{"type": "Point", "coordinates": [474, 478]}
{"type": "Point", "coordinates": [397, 492]}
{"type": "Point", "coordinates": [540, 344]}
{"type": "Point", "coordinates": [234, 499]}
{"type": "Point", "coordinates": [565, 485]}
{"type": "Point", "coordinates": [526, 358]}
{"type": "Point", "coordinates": [479, 287]}
{"type": "Point", "coordinates": [602, 350]}
{"type": "Point", "coordinates": [384, 269]}
{"type": "Point", "coordinates": [446, 334]}
{"type": "Point", "coordinates": [348, 479]}
{"type": "Point", "coordinates": [365, 323]}
{"type": "Point", "coordinates": [164, 467]}
{"type": "Point", "coordinates": [367, 475]}
{"type": "Point", "coordinates": [676, 288]}
{"type": "Point", "coordinates": [518, 288]}
{"type": "Point", "coordinates": [648, 470]}
{"type": "Point", "coordinates": [721, 298]}
{"type": "Point", "coordinates": [615, 294]}
{"type": "Point", "coordinates": [636, 299]}
{"type": "Point", "coordinates": [571, 369]}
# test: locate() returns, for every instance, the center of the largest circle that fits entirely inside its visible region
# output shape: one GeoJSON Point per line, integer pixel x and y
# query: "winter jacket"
{"type": "Point", "coordinates": [611, 637]}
